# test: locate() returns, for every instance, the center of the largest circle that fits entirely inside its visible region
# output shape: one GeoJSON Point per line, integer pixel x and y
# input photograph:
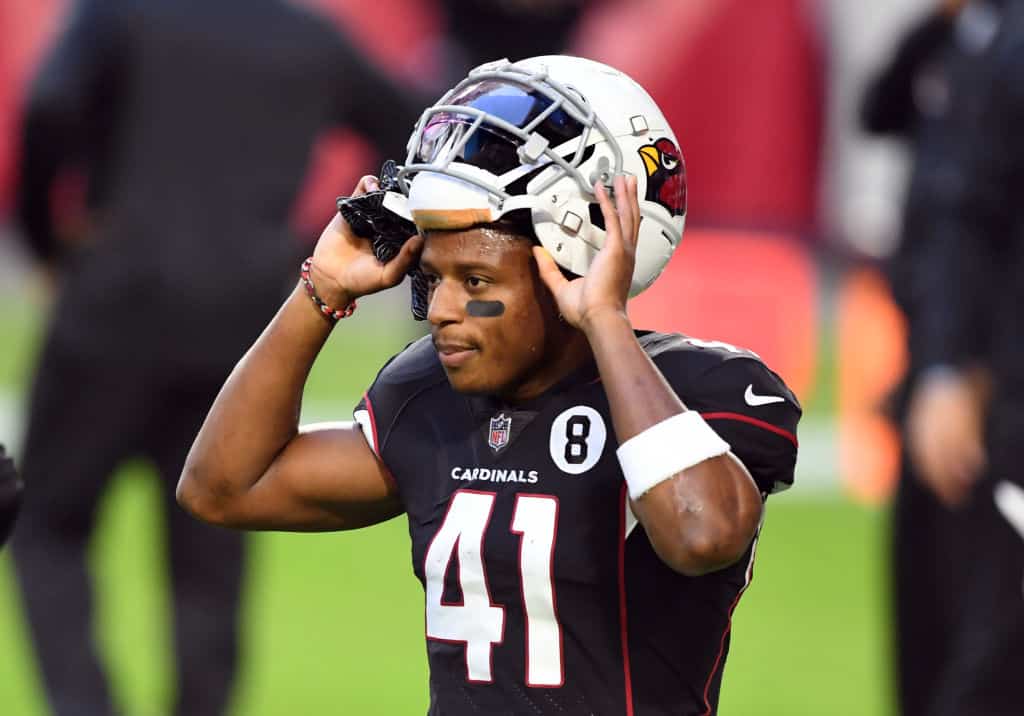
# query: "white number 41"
{"type": "Point", "coordinates": [478, 622]}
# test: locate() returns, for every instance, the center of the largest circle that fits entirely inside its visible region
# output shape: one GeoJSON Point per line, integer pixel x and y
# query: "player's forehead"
{"type": "Point", "coordinates": [479, 245]}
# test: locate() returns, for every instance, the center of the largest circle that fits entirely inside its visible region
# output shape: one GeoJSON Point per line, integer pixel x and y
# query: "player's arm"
{"type": "Point", "coordinates": [699, 518]}
{"type": "Point", "coordinates": [702, 517]}
{"type": "Point", "coordinates": [76, 79]}
{"type": "Point", "coordinates": [251, 466]}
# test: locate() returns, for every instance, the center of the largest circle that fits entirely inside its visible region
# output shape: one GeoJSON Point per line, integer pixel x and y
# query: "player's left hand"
{"type": "Point", "coordinates": [945, 433]}
{"type": "Point", "coordinates": [345, 266]}
{"type": "Point", "coordinates": [605, 288]}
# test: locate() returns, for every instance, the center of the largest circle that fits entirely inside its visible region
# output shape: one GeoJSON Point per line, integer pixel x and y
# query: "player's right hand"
{"type": "Point", "coordinates": [344, 265]}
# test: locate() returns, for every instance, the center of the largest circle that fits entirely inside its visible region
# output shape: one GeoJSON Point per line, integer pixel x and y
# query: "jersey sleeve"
{"type": "Point", "coordinates": [364, 415]}
{"type": "Point", "coordinates": [754, 411]}
{"type": "Point", "coordinates": [377, 409]}
{"type": "Point", "coordinates": [401, 378]}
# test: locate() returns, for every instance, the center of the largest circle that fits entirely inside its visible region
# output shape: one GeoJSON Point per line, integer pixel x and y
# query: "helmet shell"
{"type": "Point", "coordinates": [618, 128]}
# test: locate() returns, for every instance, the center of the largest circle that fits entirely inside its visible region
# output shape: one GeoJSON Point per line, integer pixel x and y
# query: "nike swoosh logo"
{"type": "Point", "coordinates": [1010, 501]}
{"type": "Point", "coordinates": [755, 400]}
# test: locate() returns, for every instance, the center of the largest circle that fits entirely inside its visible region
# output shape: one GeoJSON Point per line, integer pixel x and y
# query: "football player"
{"type": "Point", "coordinates": [583, 498]}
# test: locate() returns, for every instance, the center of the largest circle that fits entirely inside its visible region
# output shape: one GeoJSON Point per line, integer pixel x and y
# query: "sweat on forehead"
{"type": "Point", "coordinates": [483, 232]}
{"type": "Point", "coordinates": [483, 242]}
{"type": "Point", "coordinates": [514, 225]}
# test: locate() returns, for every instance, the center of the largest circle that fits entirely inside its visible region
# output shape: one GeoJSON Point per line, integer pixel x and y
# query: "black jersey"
{"type": "Point", "coordinates": [543, 594]}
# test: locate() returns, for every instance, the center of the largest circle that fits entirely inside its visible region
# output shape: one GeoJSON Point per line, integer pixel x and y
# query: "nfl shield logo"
{"type": "Point", "coordinates": [497, 436]}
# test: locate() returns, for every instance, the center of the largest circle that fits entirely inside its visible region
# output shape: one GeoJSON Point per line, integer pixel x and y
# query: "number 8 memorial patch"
{"type": "Point", "coordinates": [577, 439]}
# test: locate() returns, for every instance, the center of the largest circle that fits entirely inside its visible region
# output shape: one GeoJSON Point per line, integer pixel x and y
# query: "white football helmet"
{"type": "Point", "coordinates": [536, 135]}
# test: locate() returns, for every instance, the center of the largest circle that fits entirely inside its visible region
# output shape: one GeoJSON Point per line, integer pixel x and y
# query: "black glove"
{"type": "Point", "coordinates": [10, 495]}
{"type": "Point", "coordinates": [369, 219]}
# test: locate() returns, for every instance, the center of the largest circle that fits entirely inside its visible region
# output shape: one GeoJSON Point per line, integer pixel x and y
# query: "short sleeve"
{"type": "Point", "coordinates": [380, 400]}
{"type": "Point", "coordinates": [363, 415]}
{"type": "Point", "coordinates": [398, 382]}
{"type": "Point", "coordinates": [754, 411]}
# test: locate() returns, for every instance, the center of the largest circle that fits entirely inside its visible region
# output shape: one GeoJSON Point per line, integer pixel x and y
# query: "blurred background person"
{"type": "Point", "coordinates": [966, 410]}
{"type": "Point", "coordinates": [191, 124]}
{"type": "Point", "coordinates": [916, 97]}
{"type": "Point", "coordinates": [10, 495]}
{"type": "Point", "coordinates": [957, 566]}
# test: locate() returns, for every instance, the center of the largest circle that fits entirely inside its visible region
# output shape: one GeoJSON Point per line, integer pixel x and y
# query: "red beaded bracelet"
{"type": "Point", "coordinates": [331, 314]}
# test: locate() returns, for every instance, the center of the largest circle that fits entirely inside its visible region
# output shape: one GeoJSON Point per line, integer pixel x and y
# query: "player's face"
{"type": "Point", "coordinates": [494, 324]}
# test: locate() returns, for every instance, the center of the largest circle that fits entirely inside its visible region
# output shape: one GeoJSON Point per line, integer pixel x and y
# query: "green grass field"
{"type": "Point", "coordinates": [333, 623]}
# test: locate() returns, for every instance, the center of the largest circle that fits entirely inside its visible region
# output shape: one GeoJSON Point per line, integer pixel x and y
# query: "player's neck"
{"type": "Point", "coordinates": [564, 355]}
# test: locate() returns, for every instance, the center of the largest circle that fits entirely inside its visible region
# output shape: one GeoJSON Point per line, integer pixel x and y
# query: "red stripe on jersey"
{"type": "Point", "coordinates": [753, 421]}
{"type": "Point", "coordinates": [748, 576]}
{"type": "Point", "coordinates": [373, 423]}
{"type": "Point", "coordinates": [623, 631]}
{"type": "Point", "coordinates": [376, 445]}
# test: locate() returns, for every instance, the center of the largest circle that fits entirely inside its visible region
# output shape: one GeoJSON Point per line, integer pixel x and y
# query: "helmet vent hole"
{"type": "Point", "coordinates": [596, 217]}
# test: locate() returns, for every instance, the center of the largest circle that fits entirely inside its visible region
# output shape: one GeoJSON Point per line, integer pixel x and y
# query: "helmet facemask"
{"type": "Point", "coordinates": [489, 136]}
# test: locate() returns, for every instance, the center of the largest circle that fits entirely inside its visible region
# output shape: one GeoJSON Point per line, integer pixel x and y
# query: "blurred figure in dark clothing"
{"type": "Point", "coordinates": [194, 122]}
{"type": "Point", "coordinates": [483, 30]}
{"type": "Point", "coordinates": [955, 91]}
{"type": "Point", "coordinates": [912, 90]}
{"type": "Point", "coordinates": [10, 495]}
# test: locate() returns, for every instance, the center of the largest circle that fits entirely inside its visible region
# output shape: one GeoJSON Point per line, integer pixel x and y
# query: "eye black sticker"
{"type": "Point", "coordinates": [485, 309]}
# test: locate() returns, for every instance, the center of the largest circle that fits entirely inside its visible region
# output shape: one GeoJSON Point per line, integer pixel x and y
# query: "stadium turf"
{"type": "Point", "coordinates": [332, 624]}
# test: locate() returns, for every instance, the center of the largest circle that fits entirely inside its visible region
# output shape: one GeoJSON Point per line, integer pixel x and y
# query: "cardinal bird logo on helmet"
{"type": "Point", "coordinates": [666, 175]}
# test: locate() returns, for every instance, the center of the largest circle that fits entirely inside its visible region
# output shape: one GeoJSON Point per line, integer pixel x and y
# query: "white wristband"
{"type": "Point", "coordinates": [669, 447]}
